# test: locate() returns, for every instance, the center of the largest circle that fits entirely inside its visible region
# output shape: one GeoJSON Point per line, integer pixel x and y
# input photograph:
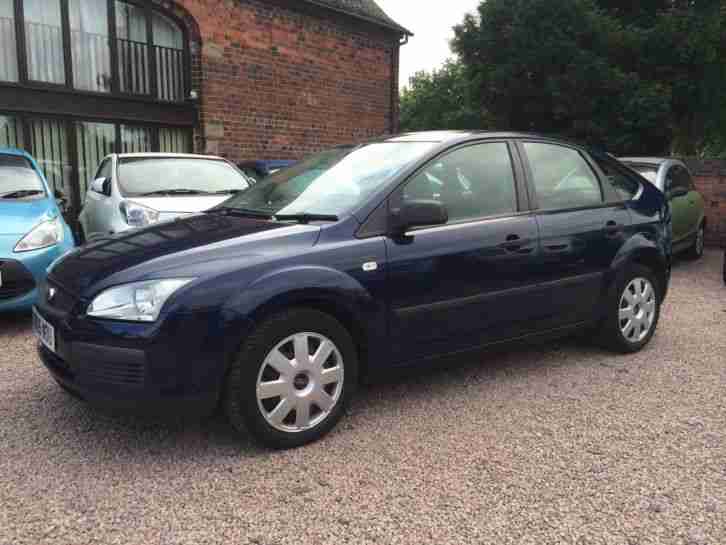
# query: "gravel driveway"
{"type": "Point", "coordinates": [561, 443]}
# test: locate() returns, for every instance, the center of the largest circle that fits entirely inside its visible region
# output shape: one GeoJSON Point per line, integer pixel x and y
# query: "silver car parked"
{"type": "Point", "coordinates": [138, 189]}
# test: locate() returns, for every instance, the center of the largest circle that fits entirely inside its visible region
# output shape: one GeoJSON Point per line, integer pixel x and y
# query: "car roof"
{"type": "Point", "coordinates": [444, 137]}
{"type": "Point", "coordinates": [150, 155]}
{"type": "Point", "coordinates": [16, 151]}
{"type": "Point", "coordinates": [655, 161]}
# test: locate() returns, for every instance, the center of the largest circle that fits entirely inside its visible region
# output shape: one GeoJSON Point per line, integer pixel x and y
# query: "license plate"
{"type": "Point", "coordinates": [44, 331]}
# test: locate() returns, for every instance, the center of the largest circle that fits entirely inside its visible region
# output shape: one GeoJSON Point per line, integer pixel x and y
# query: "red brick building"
{"type": "Point", "coordinates": [247, 79]}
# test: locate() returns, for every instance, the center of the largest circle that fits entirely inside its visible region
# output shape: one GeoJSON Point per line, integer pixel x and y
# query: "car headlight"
{"type": "Point", "coordinates": [136, 302]}
{"type": "Point", "coordinates": [138, 215]}
{"type": "Point", "coordinates": [46, 234]}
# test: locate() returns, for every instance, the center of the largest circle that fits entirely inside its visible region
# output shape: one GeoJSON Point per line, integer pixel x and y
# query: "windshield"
{"type": "Point", "coordinates": [332, 182]}
{"type": "Point", "coordinates": [18, 179]}
{"type": "Point", "coordinates": [159, 176]}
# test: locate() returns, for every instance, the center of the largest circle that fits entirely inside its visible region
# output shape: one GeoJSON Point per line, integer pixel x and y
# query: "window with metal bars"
{"type": "Point", "coordinates": [124, 47]}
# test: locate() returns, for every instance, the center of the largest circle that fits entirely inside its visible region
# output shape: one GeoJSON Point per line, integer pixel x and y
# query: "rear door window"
{"type": "Point", "coordinates": [562, 178]}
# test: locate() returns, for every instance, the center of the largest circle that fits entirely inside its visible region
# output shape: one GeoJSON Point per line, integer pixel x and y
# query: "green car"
{"type": "Point", "coordinates": [672, 177]}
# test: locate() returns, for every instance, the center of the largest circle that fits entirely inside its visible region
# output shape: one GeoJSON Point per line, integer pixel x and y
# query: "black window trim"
{"type": "Point", "coordinates": [149, 8]}
{"type": "Point", "coordinates": [606, 191]}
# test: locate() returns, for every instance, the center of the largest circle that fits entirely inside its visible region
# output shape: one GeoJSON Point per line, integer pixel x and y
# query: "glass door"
{"type": "Point", "coordinates": [94, 142]}
{"type": "Point", "coordinates": [49, 147]}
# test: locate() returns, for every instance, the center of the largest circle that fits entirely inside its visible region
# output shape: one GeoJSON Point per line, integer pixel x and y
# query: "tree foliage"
{"type": "Point", "coordinates": [640, 77]}
{"type": "Point", "coordinates": [440, 100]}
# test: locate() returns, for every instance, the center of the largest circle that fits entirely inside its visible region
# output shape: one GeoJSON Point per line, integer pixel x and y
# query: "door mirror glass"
{"type": "Point", "coordinates": [101, 186]}
{"type": "Point", "coordinates": [419, 213]}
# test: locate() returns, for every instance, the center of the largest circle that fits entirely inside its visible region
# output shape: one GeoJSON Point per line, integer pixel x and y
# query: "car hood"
{"type": "Point", "coordinates": [196, 246]}
{"type": "Point", "coordinates": [19, 217]}
{"type": "Point", "coordinates": [180, 205]}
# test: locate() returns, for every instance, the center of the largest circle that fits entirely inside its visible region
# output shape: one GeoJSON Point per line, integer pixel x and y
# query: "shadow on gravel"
{"type": "Point", "coordinates": [12, 323]}
{"type": "Point", "coordinates": [138, 439]}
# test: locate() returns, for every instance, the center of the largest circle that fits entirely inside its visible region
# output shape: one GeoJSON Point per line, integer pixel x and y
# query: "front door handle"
{"type": "Point", "coordinates": [612, 228]}
{"type": "Point", "coordinates": [514, 243]}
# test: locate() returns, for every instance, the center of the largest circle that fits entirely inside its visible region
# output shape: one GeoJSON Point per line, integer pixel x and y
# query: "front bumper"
{"type": "Point", "coordinates": [23, 272]}
{"type": "Point", "coordinates": [174, 366]}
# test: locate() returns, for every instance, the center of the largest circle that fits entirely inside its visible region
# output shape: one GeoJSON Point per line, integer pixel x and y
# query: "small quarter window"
{"type": "Point", "coordinates": [625, 184]}
{"type": "Point", "coordinates": [562, 178]}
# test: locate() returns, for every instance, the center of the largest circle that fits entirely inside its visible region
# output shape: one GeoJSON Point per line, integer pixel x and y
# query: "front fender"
{"type": "Point", "coordinates": [332, 290]}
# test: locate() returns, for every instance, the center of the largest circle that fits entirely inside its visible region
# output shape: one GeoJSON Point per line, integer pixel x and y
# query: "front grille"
{"type": "Point", "coordinates": [119, 374]}
{"type": "Point", "coordinates": [15, 279]}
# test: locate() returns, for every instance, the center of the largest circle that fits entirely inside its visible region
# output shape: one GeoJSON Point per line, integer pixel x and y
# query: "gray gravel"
{"type": "Point", "coordinates": [561, 443]}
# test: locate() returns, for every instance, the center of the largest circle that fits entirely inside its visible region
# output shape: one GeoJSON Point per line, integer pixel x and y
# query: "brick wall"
{"type": "Point", "coordinates": [710, 179]}
{"type": "Point", "coordinates": [278, 79]}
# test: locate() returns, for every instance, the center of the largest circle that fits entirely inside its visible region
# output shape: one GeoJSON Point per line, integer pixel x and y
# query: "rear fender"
{"type": "Point", "coordinates": [640, 250]}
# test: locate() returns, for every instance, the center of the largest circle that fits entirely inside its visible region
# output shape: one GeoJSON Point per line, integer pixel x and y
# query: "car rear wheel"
{"type": "Point", "coordinates": [696, 251]}
{"type": "Point", "coordinates": [292, 379]}
{"type": "Point", "coordinates": [633, 314]}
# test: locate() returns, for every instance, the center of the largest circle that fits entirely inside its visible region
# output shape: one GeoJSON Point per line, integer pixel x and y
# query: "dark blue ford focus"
{"type": "Point", "coordinates": [354, 261]}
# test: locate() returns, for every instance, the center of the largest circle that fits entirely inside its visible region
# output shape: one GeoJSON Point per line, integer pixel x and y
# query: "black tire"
{"type": "Point", "coordinates": [240, 390]}
{"type": "Point", "coordinates": [696, 250]}
{"type": "Point", "coordinates": [67, 390]}
{"type": "Point", "coordinates": [612, 336]}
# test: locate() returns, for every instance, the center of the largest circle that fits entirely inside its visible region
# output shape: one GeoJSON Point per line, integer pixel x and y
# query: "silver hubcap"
{"type": "Point", "coordinates": [699, 241]}
{"type": "Point", "coordinates": [637, 310]}
{"type": "Point", "coordinates": [300, 382]}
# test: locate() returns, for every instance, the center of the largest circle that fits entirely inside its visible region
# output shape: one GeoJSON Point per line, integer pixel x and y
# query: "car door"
{"type": "Point", "coordinates": [465, 283]}
{"type": "Point", "coordinates": [94, 208]}
{"type": "Point", "coordinates": [677, 191]}
{"type": "Point", "coordinates": [693, 202]}
{"type": "Point", "coordinates": [582, 224]}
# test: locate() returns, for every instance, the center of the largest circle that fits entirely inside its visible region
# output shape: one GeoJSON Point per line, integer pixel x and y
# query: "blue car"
{"type": "Point", "coordinates": [355, 261]}
{"type": "Point", "coordinates": [33, 233]}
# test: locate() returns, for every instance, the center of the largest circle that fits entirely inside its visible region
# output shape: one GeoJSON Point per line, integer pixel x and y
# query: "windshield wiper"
{"type": "Point", "coordinates": [176, 192]}
{"type": "Point", "coordinates": [305, 217]}
{"type": "Point", "coordinates": [22, 194]}
{"type": "Point", "coordinates": [240, 212]}
{"type": "Point", "coordinates": [228, 192]}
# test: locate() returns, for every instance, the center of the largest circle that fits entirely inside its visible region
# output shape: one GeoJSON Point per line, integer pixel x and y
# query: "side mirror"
{"type": "Point", "coordinates": [419, 213]}
{"type": "Point", "coordinates": [677, 192]}
{"type": "Point", "coordinates": [102, 186]}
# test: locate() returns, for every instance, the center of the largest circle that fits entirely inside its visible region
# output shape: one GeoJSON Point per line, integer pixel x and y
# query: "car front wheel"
{"type": "Point", "coordinates": [633, 315]}
{"type": "Point", "coordinates": [292, 379]}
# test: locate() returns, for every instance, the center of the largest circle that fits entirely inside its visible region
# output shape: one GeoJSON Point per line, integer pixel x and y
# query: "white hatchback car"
{"type": "Point", "coordinates": [138, 189]}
